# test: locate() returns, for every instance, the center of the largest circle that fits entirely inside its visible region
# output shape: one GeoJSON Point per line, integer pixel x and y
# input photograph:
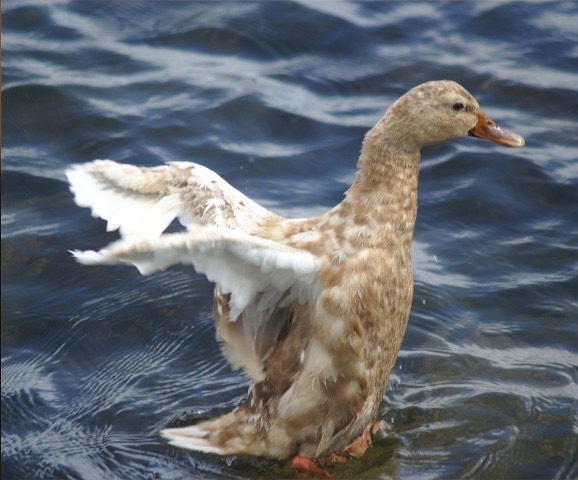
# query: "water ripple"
{"type": "Point", "coordinates": [276, 97]}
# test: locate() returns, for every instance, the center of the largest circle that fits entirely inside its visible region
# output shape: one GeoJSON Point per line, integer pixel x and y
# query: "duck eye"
{"type": "Point", "coordinates": [458, 106]}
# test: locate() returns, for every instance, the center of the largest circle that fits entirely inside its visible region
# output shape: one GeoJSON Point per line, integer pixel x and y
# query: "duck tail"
{"type": "Point", "coordinates": [194, 437]}
{"type": "Point", "coordinates": [231, 434]}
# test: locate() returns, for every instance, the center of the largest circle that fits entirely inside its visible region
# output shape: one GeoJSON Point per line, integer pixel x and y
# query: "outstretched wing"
{"type": "Point", "coordinates": [262, 277]}
{"type": "Point", "coordinates": [142, 202]}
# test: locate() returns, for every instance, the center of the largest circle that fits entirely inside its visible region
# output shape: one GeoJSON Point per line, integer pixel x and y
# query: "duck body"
{"type": "Point", "coordinates": [325, 380]}
{"type": "Point", "coordinates": [314, 309]}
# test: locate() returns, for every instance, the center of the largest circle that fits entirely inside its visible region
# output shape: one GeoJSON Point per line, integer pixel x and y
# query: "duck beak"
{"type": "Point", "coordinates": [488, 130]}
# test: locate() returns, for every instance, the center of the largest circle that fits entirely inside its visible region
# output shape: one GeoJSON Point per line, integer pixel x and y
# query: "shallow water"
{"type": "Point", "coordinates": [276, 97]}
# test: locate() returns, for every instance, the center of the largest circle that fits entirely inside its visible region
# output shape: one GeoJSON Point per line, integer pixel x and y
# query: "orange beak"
{"type": "Point", "coordinates": [488, 130]}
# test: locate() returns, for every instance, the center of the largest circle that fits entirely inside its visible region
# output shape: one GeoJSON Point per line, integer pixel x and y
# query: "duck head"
{"type": "Point", "coordinates": [437, 111]}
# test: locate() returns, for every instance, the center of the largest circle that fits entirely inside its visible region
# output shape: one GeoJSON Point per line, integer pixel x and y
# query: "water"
{"type": "Point", "coordinates": [275, 97]}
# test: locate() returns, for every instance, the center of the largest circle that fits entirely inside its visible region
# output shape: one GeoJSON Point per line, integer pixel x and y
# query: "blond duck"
{"type": "Point", "coordinates": [313, 309]}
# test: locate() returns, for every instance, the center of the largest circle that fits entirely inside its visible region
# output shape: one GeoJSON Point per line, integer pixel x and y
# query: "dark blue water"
{"type": "Point", "coordinates": [275, 97]}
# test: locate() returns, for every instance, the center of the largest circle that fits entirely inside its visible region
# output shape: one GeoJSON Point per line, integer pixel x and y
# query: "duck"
{"type": "Point", "coordinates": [314, 310]}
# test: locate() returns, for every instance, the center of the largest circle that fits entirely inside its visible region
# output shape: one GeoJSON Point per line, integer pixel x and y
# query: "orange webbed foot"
{"type": "Point", "coordinates": [308, 465]}
{"type": "Point", "coordinates": [360, 445]}
{"type": "Point", "coordinates": [355, 449]}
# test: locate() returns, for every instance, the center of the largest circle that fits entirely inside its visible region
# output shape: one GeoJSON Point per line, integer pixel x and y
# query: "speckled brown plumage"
{"type": "Point", "coordinates": [313, 309]}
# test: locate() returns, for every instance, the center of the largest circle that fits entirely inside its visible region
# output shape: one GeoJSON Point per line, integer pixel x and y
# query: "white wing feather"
{"type": "Point", "coordinates": [244, 265]}
{"type": "Point", "coordinates": [142, 202]}
{"type": "Point", "coordinates": [122, 195]}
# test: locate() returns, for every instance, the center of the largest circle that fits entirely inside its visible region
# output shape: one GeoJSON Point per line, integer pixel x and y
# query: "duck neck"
{"type": "Point", "coordinates": [384, 191]}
